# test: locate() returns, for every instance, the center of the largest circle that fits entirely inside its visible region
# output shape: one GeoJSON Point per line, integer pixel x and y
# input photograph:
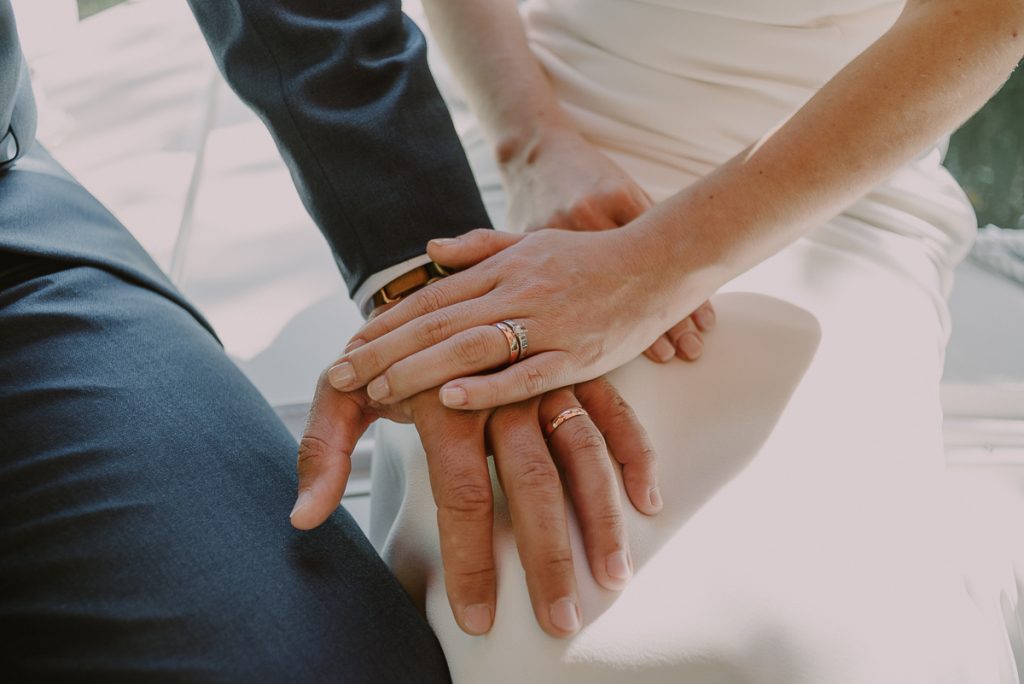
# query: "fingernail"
{"type": "Point", "coordinates": [617, 566]}
{"type": "Point", "coordinates": [453, 397]}
{"type": "Point", "coordinates": [444, 242]}
{"type": "Point", "coordinates": [691, 344]}
{"type": "Point", "coordinates": [300, 503]}
{"type": "Point", "coordinates": [663, 349]}
{"type": "Point", "coordinates": [477, 618]}
{"type": "Point", "coordinates": [354, 343]}
{"type": "Point", "coordinates": [655, 497]}
{"type": "Point", "coordinates": [341, 376]}
{"type": "Point", "coordinates": [705, 317]}
{"type": "Point", "coordinates": [565, 616]}
{"type": "Point", "coordinates": [379, 389]}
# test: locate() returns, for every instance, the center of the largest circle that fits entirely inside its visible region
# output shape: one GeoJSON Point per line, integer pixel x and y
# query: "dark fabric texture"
{"type": "Point", "coordinates": [45, 213]}
{"type": "Point", "coordinates": [17, 107]}
{"type": "Point", "coordinates": [345, 90]}
{"type": "Point", "coordinates": [145, 487]}
{"type": "Point", "coordinates": [144, 483]}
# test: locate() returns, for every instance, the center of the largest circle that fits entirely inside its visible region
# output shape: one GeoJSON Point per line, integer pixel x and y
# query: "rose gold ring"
{"type": "Point", "coordinates": [520, 331]}
{"type": "Point", "coordinates": [514, 350]}
{"type": "Point", "coordinates": [565, 415]}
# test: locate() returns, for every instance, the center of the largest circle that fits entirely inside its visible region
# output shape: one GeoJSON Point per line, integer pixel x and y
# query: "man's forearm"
{"type": "Point", "coordinates": [345, 90]}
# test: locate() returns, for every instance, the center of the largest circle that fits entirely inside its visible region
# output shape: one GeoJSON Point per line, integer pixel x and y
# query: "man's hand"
{"type": "Point", "coordinates": [456, 446]}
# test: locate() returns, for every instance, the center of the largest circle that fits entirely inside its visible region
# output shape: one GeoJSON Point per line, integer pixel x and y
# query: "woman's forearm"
{"type": "Point", "coordinates": [936, 66]}
{"type": "Point", "coordinates": [485, 44]}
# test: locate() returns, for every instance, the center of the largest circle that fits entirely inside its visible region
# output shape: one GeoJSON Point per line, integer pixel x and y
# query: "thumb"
{"type": "Point", "coordinates": [471, 248]}
{"type": "Point", "coordinates": [336, 422]}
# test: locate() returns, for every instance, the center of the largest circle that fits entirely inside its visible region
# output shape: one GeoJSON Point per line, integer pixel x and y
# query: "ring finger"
{"type": "Point", "coordinates": [537, 507]}
{"type": "Point", "coordinates": [472, 351]}
{"type": "Point", "coordinates": [579, 448]}
{"type": "Point", "coordinates": [364, 361]}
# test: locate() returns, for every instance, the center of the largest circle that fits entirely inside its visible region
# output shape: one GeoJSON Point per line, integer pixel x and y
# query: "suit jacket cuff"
{"type": "Point", "coordinates": [364, 294]}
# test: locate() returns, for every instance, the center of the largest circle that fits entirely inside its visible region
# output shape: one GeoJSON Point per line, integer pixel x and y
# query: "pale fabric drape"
{"type": "Point", "coordinates": [809, 534]}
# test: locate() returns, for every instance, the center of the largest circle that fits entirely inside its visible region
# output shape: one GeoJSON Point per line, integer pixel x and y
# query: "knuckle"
{"type": "Point", "coordinates": [429, 299]}
{"type": "Point", "coordinates": [375, 327]}
{"type": "Point", "coordinates": [641, 471]}
{"type": "Point", "coordinates": [589, 352]}
{"type": "Point", "coordinates": [436, 327]}
{"type": "Point", "coordinates": [471, 348]}
{"type": "Point", "coordinates": [467, 500]}
{"type": "Point", "coordinates": [609, 523]}
{"type": "Point", "coordinates": [532, 380]}
{"type": "Point", "coordinates": [538, 290]}
{"type": "Point", "coordinates": [585, 439]}
{"type": "Point", "coordinates": [366, 360]}
{"type": "Point", "coordinates": [621, 411]}
{"type": "Point", "coordinates": [555, 401]}
{"type": "Point", "coordinates": [517, 262]}
{"type": "Point", "coordinates": [311, 450]}
{"type": "Point", "coordinates": [499, 422]}
{"type": "Point", "coordinates": [645, 455]}
{"type": "Point", "coordinates": [556, 563]}
{"type": "Point", "coordinates": [535, 474]}
{"type": "Point", "coordinates": [506, 421]}
{"type": "Point", "coordinates": [481, 573]}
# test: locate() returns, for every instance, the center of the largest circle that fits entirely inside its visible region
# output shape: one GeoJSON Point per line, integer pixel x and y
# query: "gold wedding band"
{"type": "Point", "coordinates": [565, 415]}
{"type": "Point", "coordinates": [515, 335]}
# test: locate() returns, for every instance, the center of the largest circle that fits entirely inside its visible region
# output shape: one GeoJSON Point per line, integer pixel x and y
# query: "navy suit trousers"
{"type": "Point", "coordinates": [145, 487]}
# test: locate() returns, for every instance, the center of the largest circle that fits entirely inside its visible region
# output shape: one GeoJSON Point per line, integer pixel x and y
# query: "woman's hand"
{"type": "Point", "coordinates": [559, 180]}
{"type": "Point", "coordinates": [590, 303]}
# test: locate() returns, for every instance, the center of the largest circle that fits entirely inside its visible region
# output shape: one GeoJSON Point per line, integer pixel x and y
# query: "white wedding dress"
{"type": "Point", "coordinates": [808, 534]}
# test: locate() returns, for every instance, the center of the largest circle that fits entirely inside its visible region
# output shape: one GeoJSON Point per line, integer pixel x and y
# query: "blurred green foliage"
{"type": "Point", "coordinates": [87, 8]}
{"type": "Point", "coordinates": [987, 156]}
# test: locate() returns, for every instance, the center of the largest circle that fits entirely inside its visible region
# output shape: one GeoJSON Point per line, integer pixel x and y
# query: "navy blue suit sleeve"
{"type": "Point", "coordinates": [17, 108]}
{"type": "Point", "coordinates": [344, 88]}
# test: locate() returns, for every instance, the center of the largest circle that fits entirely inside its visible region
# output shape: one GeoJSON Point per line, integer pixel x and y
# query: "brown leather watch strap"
{"type": "Point", "coordinates": [407, 283]}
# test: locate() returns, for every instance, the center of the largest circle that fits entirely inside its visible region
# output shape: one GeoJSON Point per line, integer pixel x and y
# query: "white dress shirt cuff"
{"type": "Point", "coordinates": [364, 295]}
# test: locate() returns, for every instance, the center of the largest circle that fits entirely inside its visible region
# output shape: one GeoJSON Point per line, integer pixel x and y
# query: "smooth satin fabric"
{"type": "Point", "coordinates": [809, 532]}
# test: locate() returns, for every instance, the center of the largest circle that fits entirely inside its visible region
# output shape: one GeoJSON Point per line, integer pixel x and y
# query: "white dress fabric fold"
{"type": "Point", "coordinates": [810, 531]}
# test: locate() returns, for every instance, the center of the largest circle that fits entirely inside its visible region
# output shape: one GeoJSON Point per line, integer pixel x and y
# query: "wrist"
{"type": "Point", "coordinates": [520, 147]}
{"type": "Point", "coordinates": [402, 285]}
{"type": "Point", "coordinates": [682, 265]}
